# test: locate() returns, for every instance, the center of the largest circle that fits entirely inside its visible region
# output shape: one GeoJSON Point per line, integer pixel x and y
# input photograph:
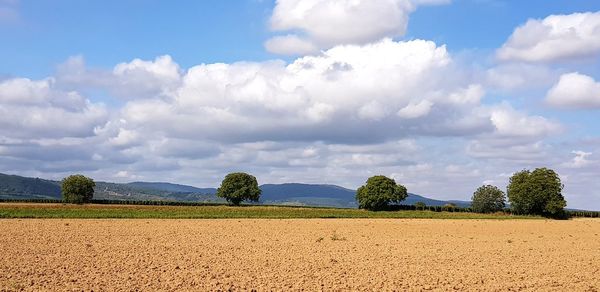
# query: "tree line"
{"type": "Point", "coordinates": [537, 192]}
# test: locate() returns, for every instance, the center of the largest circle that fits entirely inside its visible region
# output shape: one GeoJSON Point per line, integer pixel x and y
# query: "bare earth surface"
{"type": "Point", "coordinates": [299, 254]}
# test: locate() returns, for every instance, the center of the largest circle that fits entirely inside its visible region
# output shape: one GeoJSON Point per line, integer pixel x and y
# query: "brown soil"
{"type": "Point", "coordinates": [299, 254]}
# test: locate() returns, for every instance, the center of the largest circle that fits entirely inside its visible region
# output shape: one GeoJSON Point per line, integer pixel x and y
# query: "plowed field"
{"type": "Point", "coordinates": [299, 254]}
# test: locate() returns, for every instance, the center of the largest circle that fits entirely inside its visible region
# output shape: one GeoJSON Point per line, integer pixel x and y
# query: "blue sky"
{"type": "Point", "coordinates": [194, 32]}
{"type": "Point", "coordinates": [109, 32]}
{"type": "Point", "coordinates": [441, 95]}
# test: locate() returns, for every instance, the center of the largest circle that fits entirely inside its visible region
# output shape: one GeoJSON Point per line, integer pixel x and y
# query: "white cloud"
{"type": "Point", "coordinates": [512, 123]}
{"type": "Point", "coordinates": [125, 138]}
{"type": "Point", "coordinates": [24, 91]}
{"type": "Point", "coordinates": [554, 38]}
{"type": "Point", "coordinates": [575, 90]}
{"type": "Point", "coordinates": [140, 78]}
{"type": "Point", "coordinates": [512, 77]}
{"type": "Point", "coordinates": [131, 80]}
{"type": "Point", "coordinates": [469, 95]}
{"type": "Point", "coordinates": [415, 110]}
{"type": "Point", "coordinates": [290, 45]}
{"type": "Point", "coordinates": [326, 23]}
{"type": "Point", "coordinates": [339, 95]}
{"type": "Point", "coordinates": [37, 109]}
{"type": "Point", "coordinates": [580, 160]}
{"type": "Point", "coordinates": [372, 111]}
{"type": "Point", "coordinates": [517, 136]}
{"type": "Point", "coordinates": [518, 151]}
{"type": "Point", "coordinates": [123, 174]}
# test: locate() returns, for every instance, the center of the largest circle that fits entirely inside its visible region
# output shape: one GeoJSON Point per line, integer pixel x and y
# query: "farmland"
{"type": "Point", "coordinates": [294, 254]}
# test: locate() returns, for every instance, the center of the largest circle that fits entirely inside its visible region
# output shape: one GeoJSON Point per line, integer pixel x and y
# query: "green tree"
{"type": "Point", "coordinates": [238, 187]}
{"type": "Point", "coordinates": [536, 192]}
{"type": "Point", "coordinates": [420, 206]}
{"type": "Point", "coordinates": [488, 199]}
{"type": "Point", "coordinates": [77, 189]}
{"type": "Point", "coordinates": [379, 192]}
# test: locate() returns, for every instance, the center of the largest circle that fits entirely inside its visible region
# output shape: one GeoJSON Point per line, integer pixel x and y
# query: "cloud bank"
{"type": "Point", "coordinates": [338, 117]}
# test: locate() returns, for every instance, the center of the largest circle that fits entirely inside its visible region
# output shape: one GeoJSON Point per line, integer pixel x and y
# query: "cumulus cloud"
{"type": "Point", "coordinates": [147, 78]}
{"type": "Point", "coordinates": [131, 80]}
{"type": "Point", "coordinates": [512, 123]}
{"type": "Point", "coordinates": [516, 136]}
{"type": "Point", "coordinates": [554, 38]}
{"type": "Point", "coordinates": [325, 23]}
{"type": "Point", "coordinates": [348, 93]}
{"type": "Point", "coordinates": [575, 90]}
{"type": "Point", "coordinates": [35, 108]}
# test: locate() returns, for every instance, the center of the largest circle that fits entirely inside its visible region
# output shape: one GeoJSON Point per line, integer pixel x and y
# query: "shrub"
{"type": "Point", "coordinates": [238, 187]}
{"type": "Point", "coordinates": [536, 192]}
{"type": "Point", "coordinates": [488, 199]}
{"type": "Point", "coordinates": [450, 207]}
{"type": "Point", "coordinates": [379, 192]}
{"type": "Point", "coordinates": [77, 189]}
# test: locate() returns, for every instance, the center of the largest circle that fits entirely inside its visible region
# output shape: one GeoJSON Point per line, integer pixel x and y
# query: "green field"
{"type": "Point", "coordinates": [40, 210]}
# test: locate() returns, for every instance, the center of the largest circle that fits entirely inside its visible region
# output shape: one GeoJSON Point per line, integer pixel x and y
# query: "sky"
{"type": "Point", "coordinates": [441, 95]}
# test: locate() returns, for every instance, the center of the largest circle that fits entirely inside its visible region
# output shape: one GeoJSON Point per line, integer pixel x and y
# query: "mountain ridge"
{"type": "Point", "coordinates": [171, 187]}
{"type": "Point", "coordinates": [327, 195]}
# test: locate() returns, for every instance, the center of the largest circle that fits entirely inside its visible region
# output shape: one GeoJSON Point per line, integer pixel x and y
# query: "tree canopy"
{"type": "Point", "coordinates": [77, 189]}
{"type": "Point", "coordinates": [488, 199]}
{"type": "Point", "coordinates": [379, 192]}
{"type": "Point", "coordinates": [536, 192]}
{"type": "Point", "coordinates": [238, 187]}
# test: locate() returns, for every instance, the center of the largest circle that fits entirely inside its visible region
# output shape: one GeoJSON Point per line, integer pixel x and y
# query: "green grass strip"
{"type": "Point", "coordinates": [38, 210]}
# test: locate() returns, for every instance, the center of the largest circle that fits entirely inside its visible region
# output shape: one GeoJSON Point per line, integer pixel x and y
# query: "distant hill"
{"type": "Point", "coordinates": [329, 195]}
{"type": "Point", "coordinates": [18, 187]}
{"type": "Point", "coordinates": [14, 187]}
{"type": "Point", "coordinates": [412, 199]}
{"type": "Point", "coordinates": [169, 187]}
{"type": "Point", "coordinates": [146, 192]}
{"type": "Point", "coordinates": [307, 194]}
